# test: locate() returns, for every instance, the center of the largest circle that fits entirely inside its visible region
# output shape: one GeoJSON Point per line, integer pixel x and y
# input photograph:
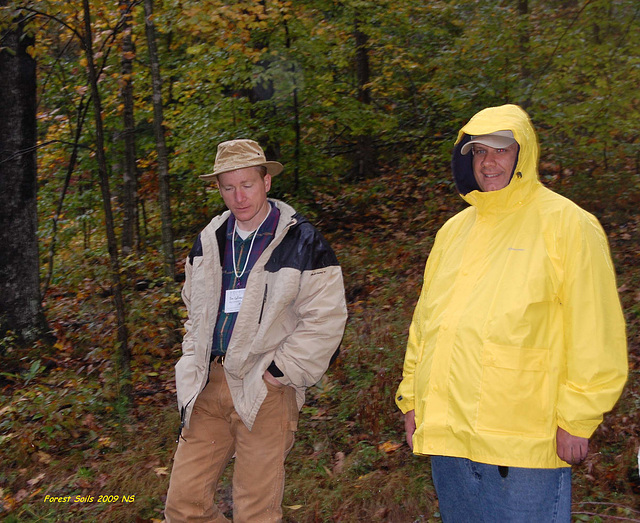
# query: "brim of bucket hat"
{"type": "Point", "coordinates": [273, 168]}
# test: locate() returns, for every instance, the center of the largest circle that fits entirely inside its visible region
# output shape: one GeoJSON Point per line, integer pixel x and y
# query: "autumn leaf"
{"type": "Point", "coordinates": [34, 481]}
{"type": "Point", "coordinates": [389, 446]}
{"type": "Point", "coordinates": [43, 457]}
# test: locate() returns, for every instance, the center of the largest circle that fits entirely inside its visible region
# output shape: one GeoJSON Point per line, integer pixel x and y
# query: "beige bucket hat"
{"type": "Point", "coordinates": [497, 140]}
{"type": "Point", "coordinates": [239, 154]}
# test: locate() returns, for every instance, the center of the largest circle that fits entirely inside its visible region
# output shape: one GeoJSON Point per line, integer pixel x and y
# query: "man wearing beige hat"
{"type": "Point", "coordinates": [517, 345]}
{"type": "Point", "coordinates": [266, 313]}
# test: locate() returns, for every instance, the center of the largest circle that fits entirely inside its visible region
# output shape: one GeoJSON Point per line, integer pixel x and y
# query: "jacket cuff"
{"type": "Point", "coordinates": [582, 429]}
{"type": "Point", "coordinates": [404, 404]}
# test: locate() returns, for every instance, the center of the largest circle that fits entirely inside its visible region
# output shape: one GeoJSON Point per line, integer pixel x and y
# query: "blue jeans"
{"type": "Point", "coordinates": [476, 492]}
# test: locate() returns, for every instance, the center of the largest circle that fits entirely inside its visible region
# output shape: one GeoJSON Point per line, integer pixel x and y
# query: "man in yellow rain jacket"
{"type": "Point", "coordinates": [517, 345]}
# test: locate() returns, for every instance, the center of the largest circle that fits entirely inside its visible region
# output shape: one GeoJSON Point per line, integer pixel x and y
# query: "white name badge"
{"type": "Point", "coordinates": [233, 300]}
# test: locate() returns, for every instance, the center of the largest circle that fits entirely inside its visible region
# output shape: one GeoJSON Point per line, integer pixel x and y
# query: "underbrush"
{"type": "Point", "coordinates": [65, 430]}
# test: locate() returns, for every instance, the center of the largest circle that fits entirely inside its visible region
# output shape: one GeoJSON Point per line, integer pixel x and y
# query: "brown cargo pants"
{"type": "Point", "coordinates": [215, 434]}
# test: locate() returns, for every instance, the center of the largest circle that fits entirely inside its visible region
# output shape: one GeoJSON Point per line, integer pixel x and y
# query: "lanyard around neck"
{"type": "Point", "coordinates": [233, 246]}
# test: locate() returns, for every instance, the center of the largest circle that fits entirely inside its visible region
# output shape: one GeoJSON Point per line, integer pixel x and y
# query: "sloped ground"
{"type": "Point", "coordinates": [64, 431]}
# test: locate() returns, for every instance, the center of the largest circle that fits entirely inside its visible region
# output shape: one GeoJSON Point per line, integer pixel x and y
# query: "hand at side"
{"type": "Point", "coordinates": [572, 449]}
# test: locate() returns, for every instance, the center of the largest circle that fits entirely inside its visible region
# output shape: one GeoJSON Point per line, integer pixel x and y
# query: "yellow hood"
{"type": "Point", "coordinates": [504, 118]}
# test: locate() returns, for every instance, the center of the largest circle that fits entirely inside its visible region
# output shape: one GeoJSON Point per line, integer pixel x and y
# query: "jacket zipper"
{"type": "Point", "coordinates": [264, 300]}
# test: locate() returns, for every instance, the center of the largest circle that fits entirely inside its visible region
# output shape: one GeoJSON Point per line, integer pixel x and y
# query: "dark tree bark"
{"type": "Point", "coordinates": [525, 57]}
{"type": "Point", "coordinates": [123, 354]}
{"type": "Point", "coordinates": [363, 71]}
{"type": "Point", "coordinates": [296, 118]}
{"type": "Point", "coordinates": [130, 180]}
{"type": "Point", "coordinates": [262, 91]}
{"type": "Point", "coordinates": [20, 301]}
{"type": "Point", "coordinates": [163, 161]}
{"type": "Point", "coordinates": [365, 160]}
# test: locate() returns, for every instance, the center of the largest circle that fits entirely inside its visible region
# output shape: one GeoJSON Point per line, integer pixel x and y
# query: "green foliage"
{"type": "Point", "coordinates": [8, 342]}
{"type": "Point", "coordinates": [254, 70]}
{"type": "Point", "coordinates": [33, 371]}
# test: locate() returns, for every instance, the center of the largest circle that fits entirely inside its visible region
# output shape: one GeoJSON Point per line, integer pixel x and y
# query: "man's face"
{"type": "Point", "coordinates": [244, 192]}
{"type": "Point", "coordinates": [492, 168]}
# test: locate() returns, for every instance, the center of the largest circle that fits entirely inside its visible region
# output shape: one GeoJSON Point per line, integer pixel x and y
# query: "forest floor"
{"type": "Point", "coordinates": [73, 450]}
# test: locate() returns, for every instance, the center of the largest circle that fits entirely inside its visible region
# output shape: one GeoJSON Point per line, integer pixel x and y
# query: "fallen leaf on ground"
{"type": "Point", "coordinates": [34, 481]}
{"type": "Point", "coordinates": [389, 446]}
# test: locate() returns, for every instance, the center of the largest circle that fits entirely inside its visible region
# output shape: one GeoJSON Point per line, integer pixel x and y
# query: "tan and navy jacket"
{"type": "Point", "coordinates": [292, 316]}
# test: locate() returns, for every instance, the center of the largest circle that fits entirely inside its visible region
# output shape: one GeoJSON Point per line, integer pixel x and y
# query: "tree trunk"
{"type": "Point", "coordinates": [525, 57]}
{"type": "Point", "coordinates": [365, 162]}
{"type": "Point", "coordinates": [123, 353]}
{"type": "Point", "coordinates": [130, 180]}
{"type": "Point", "coordinates": [261, 91]}
{"type": "Point", "coordinates": [20, 301]}
{"type": "Point", "coordinates": [296, 118]}
{"type": "Point", "coordinates": [163, 161]}
{"type": "Point", "coordinates": [83, 107]}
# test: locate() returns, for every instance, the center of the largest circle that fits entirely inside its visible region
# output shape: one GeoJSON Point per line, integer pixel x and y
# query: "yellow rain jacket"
{"type": "Point", "coordinates": [518, 329]}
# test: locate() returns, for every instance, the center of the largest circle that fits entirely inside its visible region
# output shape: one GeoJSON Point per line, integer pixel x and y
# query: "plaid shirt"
{"type": "Point", "coordinates": [226, 320]}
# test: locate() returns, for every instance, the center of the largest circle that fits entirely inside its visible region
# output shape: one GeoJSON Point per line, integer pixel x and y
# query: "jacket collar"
{"type": "Point", "coordinates": [287, 217]}
{"type": "Point", "coordinates": [506, 200]}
